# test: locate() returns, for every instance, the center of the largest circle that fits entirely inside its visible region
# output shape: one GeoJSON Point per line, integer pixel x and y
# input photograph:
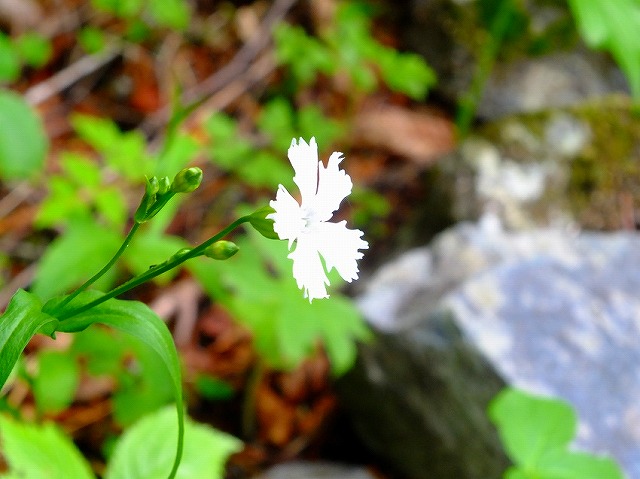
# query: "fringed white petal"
{"type": "Point", "coordinates": [287, 220]}
{"type": "Point", "coordinates": [304, 159]}
{"type": "Point", "coordinates": [334, 185]}
{"type": "Point", "coordinates": [307, 268]}
{"type": "Point", "coordinates": [339, 246]}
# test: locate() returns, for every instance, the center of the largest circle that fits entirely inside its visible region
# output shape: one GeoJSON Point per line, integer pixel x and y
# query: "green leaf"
{"type": "Point", "coordinates": [34, 49]}
{"type": "Point", "coordinates": [139, 321]}
{"type": "Point", "coordinates": [258, 288]}
{"type": "Point", "coordinates": [144, 453]}
{"type": "Point", "coordinates": [213, 388]}
{"type": "Point", "coordinates": [40, 452]}
{"type": "Point", "coordinates": [536, 433]}
{"type": "Point", "coordinates": [562, 464]}
{"type": "Point", "coordinates": [22, 319]}
{"type": "Point", "coordinates": [23, 142]}
{"type": "Point", "coordinates": [91, 39]}
{"type": "Point", "coordinates": [613, 26]}
{"type": "Point", "coordinates": [170, 13]}
{"type": "Point", "coordinates": [277, 120]}
{"type": "Point", "coordinates": [55, 384]}
{"type": "Point", "coordinates": [74, 257]}
{"type": "Point", "coordinates": [124, 152]}
{"type": "Point", "coordinates": [9, 60]}
{"type": "Point", "coordinates": [312, 122]}
{"type": "Point", "coordinates": [531, 426]}
{"type": "Point", "coordinates": [406, 73]}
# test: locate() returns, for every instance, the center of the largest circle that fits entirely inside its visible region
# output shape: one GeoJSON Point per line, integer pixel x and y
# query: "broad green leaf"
{"type": "Point", "coordinates": [562, 464]}
{"type": "Point", "coordinates": [144, 450]}
{"type": "Point", "coordinates": [536, 433]}
{"type": "Point", "coordinates": [138, 320]}
{"type": "Point", "coordinates": [23, 142]}
{"type": "Point", "coordinates": [531, 426]}
{"type": "Point", "coordinates": [55, 384]}
{"type": "Point", "coordinates": [22, 319]}
{"type": "Point", "coordinates": [74, 257]}
{"type": "Point", "coordinates": [40, 452]}
{"type": "Point", "coordinates": [258, 288]}
{"type": "Point", "coordinates": [613, 26]}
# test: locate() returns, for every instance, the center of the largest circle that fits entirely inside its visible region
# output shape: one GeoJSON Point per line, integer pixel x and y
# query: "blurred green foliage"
{"type": "Point", "coordinates": [23, 142]}
{"type": "Point", "coordinates": [348, 46]}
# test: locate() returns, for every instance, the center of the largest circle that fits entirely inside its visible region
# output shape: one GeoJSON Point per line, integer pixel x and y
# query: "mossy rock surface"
{"type": "Point", "coordinates": [575, 165]}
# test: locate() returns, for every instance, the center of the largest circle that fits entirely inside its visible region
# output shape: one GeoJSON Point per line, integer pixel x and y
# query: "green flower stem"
{"type": "Point", "coordinates": [156, 270]}
{"type": "Point", "coordinates": [106, 268]}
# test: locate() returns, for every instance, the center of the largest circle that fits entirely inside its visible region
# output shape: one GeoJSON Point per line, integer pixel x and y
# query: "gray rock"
{"type": "Point", "coordinates": [451, 35]}
{"type": "Point", "coordinates": [560, 167]}
{"type": "Point", "coordinates": [551, 311]}
{"type": "Point", "coordinates": [315, 470]}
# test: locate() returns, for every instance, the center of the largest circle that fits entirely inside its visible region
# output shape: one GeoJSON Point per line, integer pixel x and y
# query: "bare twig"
{"type": "Point", "coordinates": [71, 74]}
{"type": "Point", "coordinates": [237, 67]}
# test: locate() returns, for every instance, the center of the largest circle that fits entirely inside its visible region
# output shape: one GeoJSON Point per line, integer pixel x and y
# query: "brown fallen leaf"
{"type": "Point", "coordinates": [421, 136]}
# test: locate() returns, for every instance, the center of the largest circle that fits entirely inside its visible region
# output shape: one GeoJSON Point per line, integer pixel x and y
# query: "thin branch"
{"type": "Point", "coordinates": [238, 65]}
{"type": "Point", "coordinates": [70, 75]}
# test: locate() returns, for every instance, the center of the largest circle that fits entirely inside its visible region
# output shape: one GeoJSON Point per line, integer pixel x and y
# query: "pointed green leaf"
{"type": "Point", "coordinates": [19, 323]}
{"type": "Point", "coordinates": [138, 320]}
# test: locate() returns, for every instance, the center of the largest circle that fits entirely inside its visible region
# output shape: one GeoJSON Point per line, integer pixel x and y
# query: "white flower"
{"type": "Point", "coordinates": [322, 189]}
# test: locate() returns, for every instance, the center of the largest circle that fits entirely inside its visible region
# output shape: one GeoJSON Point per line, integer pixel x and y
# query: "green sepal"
{"type": "Point", "coordinates": [262, 224]}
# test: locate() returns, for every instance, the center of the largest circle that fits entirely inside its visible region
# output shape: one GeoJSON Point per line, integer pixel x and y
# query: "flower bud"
{"type": "Point", "coordinates": [262, 224]}
{"type": "Point", "coordinates": [152, 186]}
{"type": "Point", "coordinates": [164, 185]}
{"type": "Point", "coordinates": [187, 180]}
{"type": "Point", "coordinates": [180, 253]}
{"type": "Point", "coordinates": [221, 250]}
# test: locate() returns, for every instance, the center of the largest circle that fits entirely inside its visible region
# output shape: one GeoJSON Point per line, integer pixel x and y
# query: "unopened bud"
{"type": "Point", "coordinates": [262, 224]}
{"type": "Point", "coordinates": [180, 253]}
{"type": "Point", "coordinates": [221, 250]}
{"type": "Point", "coordinates": [151, 187]}
{"type": "Point", "coordinates": [164, 185]}
{"type": "Point", "coordinates": [187, 180]}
